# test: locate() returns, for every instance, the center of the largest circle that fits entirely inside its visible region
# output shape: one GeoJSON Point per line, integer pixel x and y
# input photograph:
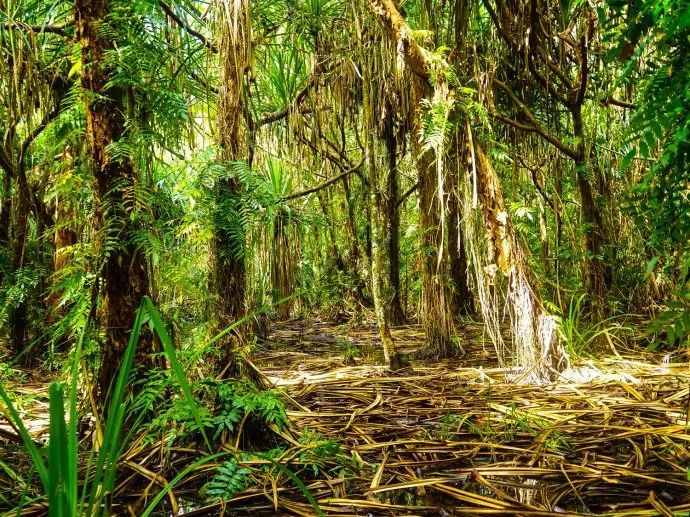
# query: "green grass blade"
{"type": "Point", "coordinates": [303, 488]}
{"type": "Point", "coordinates": [72, 446]}
{"type": "Point", "coordinates": [58, 504]}
{"type": "Point", "coordinates": [162, 332]}
{"type": "Point", "coordinates": [104, 475]}
{"type": "Point", "coordinates": [255, 313]}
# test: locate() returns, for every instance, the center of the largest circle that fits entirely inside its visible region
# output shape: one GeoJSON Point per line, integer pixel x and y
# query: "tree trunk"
{"type": "Point", "coordinates": [335, 255]}
{"type": "Point", "coordinates": [6, 209]}
{"type": "Point", "coordinates": [282, 270]}
{"type": "Point", "coordinates": [378, 250]}
{"type": "Point", "coordinates": [537, 347]}
{"type": "Point", "coordinates": [228, 248]}
{"type": "Point", "coordinates": [124, 273]}
{"type": "Point", "coordinates": [395, 310]}
{"type": "Point", "coordinates": [355, 256]}
{"type": "Point", "coordinates": [18, 314]}
{"type": "Point", "coordinates": [595, 277]}
{"type": "Point", "coordinates": [434, 312]}
{"type": "Point", "coordinates": [462, 299]}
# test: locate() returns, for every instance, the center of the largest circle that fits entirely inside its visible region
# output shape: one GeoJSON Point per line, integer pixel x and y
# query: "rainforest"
{"type": "Point", "coordinates": [344, 258]}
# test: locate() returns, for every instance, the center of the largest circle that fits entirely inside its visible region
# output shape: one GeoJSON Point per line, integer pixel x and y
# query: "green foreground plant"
{"type": "Point", "coordinates": [59, 478]}
{"type": "Point", "coordinates": [580, 335]}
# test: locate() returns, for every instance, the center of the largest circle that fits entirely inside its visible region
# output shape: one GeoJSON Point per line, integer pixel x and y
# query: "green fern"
{"type": "Point", "coordinates": [229, 480]}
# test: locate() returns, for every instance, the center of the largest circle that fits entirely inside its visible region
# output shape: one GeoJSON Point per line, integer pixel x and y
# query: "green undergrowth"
{"type": "Point", "coordinates": [74, 477]}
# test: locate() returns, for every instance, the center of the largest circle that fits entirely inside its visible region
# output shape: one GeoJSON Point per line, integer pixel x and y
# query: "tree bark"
{"type": "Point", "coordinates": [378, 250]}
{"type": "Point", "coordinates": [435, 312]}
{"type": "Point", "coordinates": [18, 314]}
{"type": "Point", "coordinates": [395, 310]}
{"type": "Point", "coordinates": [355, 256]}
{"type": "Point", "coordinates": [282, 266]}
{"type": "Point", "coordinates": [462, 297]}
{"type": "Point", "coordinates": [124, 273]}
{"type": "Point", "coordinates": [6, 209]}
{"type": "Point", "coordinates": [595, 271]}
{"type": "Point", "coordinates": [228, 277]}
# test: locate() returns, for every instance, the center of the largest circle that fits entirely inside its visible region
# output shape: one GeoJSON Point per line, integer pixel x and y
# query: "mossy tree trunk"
{"type": "Point", "coordinates": [125, 274]}
{"type": "Point", "coordinates": [462, 298]}
{"type": "Point", "coordinates": [376, 213]}
{"type": "Point", "coordinates": [228, 274]}
{"type": "Point", "coordinates": [537, 347]}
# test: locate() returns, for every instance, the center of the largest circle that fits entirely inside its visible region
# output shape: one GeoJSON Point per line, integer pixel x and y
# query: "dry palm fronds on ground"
{"type": "Point", "coordinates": [453, 438]}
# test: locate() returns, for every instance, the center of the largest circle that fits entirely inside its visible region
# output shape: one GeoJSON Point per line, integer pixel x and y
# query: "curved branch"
{"type": "Point", "coordinates": [189, 30]}
{"type": "Point", "coordinates": [407, 194]}
{"type": "Point", "coordinates": [47, 119]}
{"type": "Point", "coordinates": [535, 124]}
{"type": "Point", "coordinates": [415, 56]}
{"type": "Point", "coordinates": [325, 184]}
{"type": "Point", "coordinates": [613, 101]}
{"type": "Point", "coordinates": [268, 118]}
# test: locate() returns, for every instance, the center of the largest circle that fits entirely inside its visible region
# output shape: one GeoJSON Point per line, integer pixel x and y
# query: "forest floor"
{"type": "Point", "coordinates": [455, 438]}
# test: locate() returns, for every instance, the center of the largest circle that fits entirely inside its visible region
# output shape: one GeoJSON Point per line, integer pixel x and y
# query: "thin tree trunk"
{"type": "Point", "coordinates": [463, 299]}
{"type": "Point", "coordinates": [229, 273]}
{"type": "Point", "coordinates": [6, 209]}
{"type": "Point", "coordinates": [595, 279]}
{"type": "Point", "coordinates": [20, 221]}
{"type": "Point", "coordinates": [395, 310]}
{"type": "Point", "coordinates": [124, 273]}
{"type": "Point", "coordinates": [355, 256]}
{"type": "Point", "coordinates": [378, 250]}
{"type": "Point", "coordinates": [435, 311]}
{"type": "Point", "coordinates": [334, 252]}
{"type": "Point", "coordinates": [282, 270]}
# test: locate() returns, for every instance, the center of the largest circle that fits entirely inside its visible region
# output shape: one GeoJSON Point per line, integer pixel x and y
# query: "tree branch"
{"type": "Point", "coordinates": [535, 180]}
{"type": "Point", "coordinates": [325, 183]}
{"type": "Point", "coordinates": [612, 101]}
{"type": "Point", "coordinates": [189, 30]}
{"type": "Point", "coordinates": [407, 194]}
{"type": "Point", "coordinates": [58, 28]}
{"type": "Point", "coordinates": [268, 118]}
{"type": "Point", "coordinates": [543, 81]}
{"type": "Point", "coordinates": [6, 162]}
{"type": "Point", "coordinates": [535, 124]}
{"type": "Point", "coordinates": [583, 78]}
{"type": "Point", "coordinates": [415, 56]}
{"type": "Point", "coordinates": [47, 119]}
